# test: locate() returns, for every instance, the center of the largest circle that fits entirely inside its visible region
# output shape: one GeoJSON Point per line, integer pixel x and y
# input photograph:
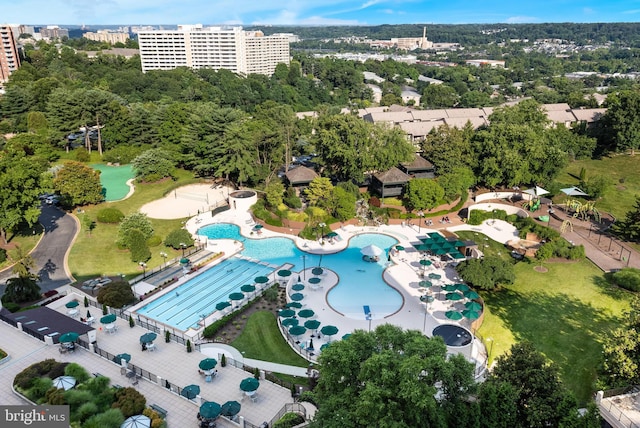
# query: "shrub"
{"type": "Point", "coordinates": [11, 306]}
{"type": "Point", "coordinates": [3, 255]}
{"type": "Point", "coordinates": [104, 309]}
{"type": "Point", "coordinates": [177, 237]}
{"type": "Point", "coordinates": [223, 361]}
{"type": "Point", "coordinates": [154, 241]}
{"type": "Point", "coordinates": [117, 294]}
{"type": "Point", "coordinates": [627, 278]}
{"type": "Point", "coordinates": [374, 202]}
{"type": "Point", "coordinates": [86, 410]}
{"type": "Point", "coordinates": [167, 336]}
{"type": "Point", "coordinates": [77, 371]}
{"type": "Point", "coordinates": [289, 420]}
{"type": "Point", "coordinates": [112, 418]}
{"type": "Point", "coordinates": [39, 387]}
{"type": "Point", "coordinates": [55, 397]}
{"type": "Point", "coordinates": [132, 323]}
{"type": "Point", "coordinates": [122, 154]}
{"type": "Point", "coordinates": [189, 346]}
{"type": "Point", "coordinates": [110, 215]}
{"type": "Point", "coordinates": [86, 302]}
{"type": "Point", "coordinates": [256, 373]}
{"type": "Point", "coordinates": [129, 401]}
{"type": "Point", "coordinates": [81, 155]}
{"type": "Point", "coordinates": [137, 244]}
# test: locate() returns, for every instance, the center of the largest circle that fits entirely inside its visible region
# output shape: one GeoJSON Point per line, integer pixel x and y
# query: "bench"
{"type": "Point", "coordinates": [162, 412]}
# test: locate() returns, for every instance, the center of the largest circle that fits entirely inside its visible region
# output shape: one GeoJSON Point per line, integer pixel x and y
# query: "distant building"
{"type": "Point", "coordinates": [230, 48]}
{"type": "Point", "coordinates": [9, 58]}
{"type": "Point", "coordinates": [107, 36]}
{"type": "Point", "coordinates": [53, 32]}
{"type": "Point", "coordinates": [486, 63]}
{"type": "Point", "coordinates": [405, 43]}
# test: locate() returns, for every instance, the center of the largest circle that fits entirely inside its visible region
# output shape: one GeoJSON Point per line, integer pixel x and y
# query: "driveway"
{"type": "Point", "coordinates": [49, 255]}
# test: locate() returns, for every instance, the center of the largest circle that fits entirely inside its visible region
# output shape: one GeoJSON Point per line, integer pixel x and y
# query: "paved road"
{"type": "Point", "coordinates": [59, 231]}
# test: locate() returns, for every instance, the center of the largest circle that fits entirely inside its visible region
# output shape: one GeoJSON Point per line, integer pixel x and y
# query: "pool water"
{"type": "Point", "coordinates": [114, 180]}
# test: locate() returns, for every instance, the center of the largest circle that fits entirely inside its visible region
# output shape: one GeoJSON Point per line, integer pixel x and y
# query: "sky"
{"type": "Point", "coordinates": [313, 12]}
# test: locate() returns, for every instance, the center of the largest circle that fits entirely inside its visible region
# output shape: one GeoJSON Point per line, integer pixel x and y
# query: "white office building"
{"type": "Point", "coordinates": [195, 46]}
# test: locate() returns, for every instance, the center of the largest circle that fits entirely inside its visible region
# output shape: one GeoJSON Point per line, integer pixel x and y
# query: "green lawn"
{"type": "Point", "coordinates": [564, 312]}
{"type": "Point", "coordinates": [262, 340]}
{"type": "Point", "coordinates": [26, 238]}
{"type": "Point", "coordinates": [97, 254]}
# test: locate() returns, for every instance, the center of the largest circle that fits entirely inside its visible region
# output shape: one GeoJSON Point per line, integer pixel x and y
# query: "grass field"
{"type": "Point", "coordinates": [26, 238]}
{"type": "Point", "coordinates": [97, 254]}
{"type": "Point", "coordinates": [564, 312]}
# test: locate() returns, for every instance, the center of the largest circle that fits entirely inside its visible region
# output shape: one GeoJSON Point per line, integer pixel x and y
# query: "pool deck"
{"type": "Point", "coordinates": [403, 273]}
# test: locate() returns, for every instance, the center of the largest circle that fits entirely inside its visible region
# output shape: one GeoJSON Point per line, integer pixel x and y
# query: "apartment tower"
{"type": "Point", "coordinates": [9, 58]}
{"type": "Point", "coordinates": [195, 46]}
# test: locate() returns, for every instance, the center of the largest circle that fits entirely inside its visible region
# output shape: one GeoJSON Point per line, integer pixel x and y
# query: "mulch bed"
{"type": "Point", "coordinates": [541, 269]}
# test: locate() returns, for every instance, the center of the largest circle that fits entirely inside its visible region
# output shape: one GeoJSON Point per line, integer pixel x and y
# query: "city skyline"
{"type": "Point", "coordinates": [311, 12]}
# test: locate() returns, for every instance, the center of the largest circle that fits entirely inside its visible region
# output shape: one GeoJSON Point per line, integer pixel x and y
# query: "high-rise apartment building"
{"type": "Point", "coordinates": [53, 32]}
{"type": "Point", "coordinates": [9, 58]}
{"type": "Point", "coordinates": [195, 46]}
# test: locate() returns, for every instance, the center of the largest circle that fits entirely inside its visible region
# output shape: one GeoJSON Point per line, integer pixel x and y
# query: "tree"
{"type": "Point", "coordinates": [621, 351]}
{"type": "Point", "coordinates": [423, 194]}
{"type": "Point", "coordinates": [343, 204]}
{"type": "Point", "coordinates": [137, 221]}
{"type": "Point", "coordinates": [487, 273]}
{"type": "Point", "coordinates": [23, 287]}
{"type": "Point", "coordinates": [129, 401]}
{"type": "Point", "coordinates": [78, 184]}
{"type": "Point", "coordinates": [88, 223]}
{"type": "Point", "coordinates": [439, 96]}
{"type": "Point", "coordinates": [448, 148]}
{"type": "Point", "coordinates": [116, 294]}
{"type": "Point", "coordinates": [177, 237]}
{"type": "Point", "coordinates": [274, 193]}
{"type": "Point", "coordinates": [319, 191]}
{"type": "Point", "coordinates": [623, 118]}
{"type": "Point", "coordinates": [137, 245]}
{"type": "Point", "coordinates": [456, 182]}
{"type": "Point", "coordinates": [153, 165]}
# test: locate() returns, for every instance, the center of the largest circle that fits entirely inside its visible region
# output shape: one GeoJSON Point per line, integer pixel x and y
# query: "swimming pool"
{"type": "Point", "coordinates": [184, 307]}
{"type": "Point", "coordinates": [360, 282]}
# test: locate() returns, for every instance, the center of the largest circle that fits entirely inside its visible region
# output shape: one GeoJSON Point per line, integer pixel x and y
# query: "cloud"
{"type": "Point", "coordinates": [520, 19]}
{"type": "Point", "coordinates": [320, 20]}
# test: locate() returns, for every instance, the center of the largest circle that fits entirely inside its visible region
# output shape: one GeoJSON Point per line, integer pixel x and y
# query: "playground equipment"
{"type": "Point", "coordinates": [566, 224]}
{"type": "Point", "coordinates": [583, 210]}
{"type": "Point", "coordinates": [533, 205]}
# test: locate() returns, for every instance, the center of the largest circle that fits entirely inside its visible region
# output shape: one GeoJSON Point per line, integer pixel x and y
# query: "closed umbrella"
{"type": "Point", "coordinates": [210, 410]}
{"type": "Point", "coordinates": [297, 287]}
{"type": "Point", "coordinates": [148, 337]}
{"type": "Point", "coordinates": [137, 421]}
{"type": "Point", "coordinates": [317, 271]}
{"type": "Point", "coordinates": [329, 330]}
{"type": "Point", "coordinates": [454, 296]}
{"type": "Point", "coordinates": [297, 330]}
{"type": "Point", "coordinates": [471, 295]}
{"type": "Point", "coordinates": [290, 322]}
{"type": "Point", "coordinates": [248, 288]}
{"type": "Point", "coordinates": [472, 315]}
{"type": "Point", "coordinates": [230, 408]}
{"type": "Point", "coordinates": [72, 336]}
{"type": "Point", "coordinates": [118, 358]}
{"type": "Point", "coordinates": [72, 304]}
{"type": "Point", "coordinates": [261, 279]}
{"type": "Point", "coordinates": [236, 296]}
{"type": "Point", "coordinates": [306, 313]}
{"type": "Point", "coordinates": [473, 306]}
{"type": "Point", "coordinates": [453, 315]}
{"type": "Point", "coordinates": [64, 382]}
{"type": "Point", "coordinates": [108, 319]}
{"type": "Point", "coordinates": [208, 363]}
{"type": "Point", "coordinates": [286, 313]}
{"type": "Point", "coordinates": [190, 391]}
{"type": "Point", "coordinates": [296, 305]}
{"type": "Point", "coordinates": [296, 297]}
{"type": "Point", "coordinates": [222, 305]}
{"type": "Point", "coordinates": [249, 384]}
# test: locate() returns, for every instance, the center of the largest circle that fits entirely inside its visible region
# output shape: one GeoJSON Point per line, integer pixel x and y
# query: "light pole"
{"type": "Point", "coordinates": [322, 225]}
{"type": "Point", "coordinates": [183, 246]}
{"type": "Point", "coordinates": [490, 348]}
{"type": "Point", "coordinates": [421, 215]}
{"type": "Point", "coordinates": [164, 257]}
{"type": "Point", "coordinates": [143, 265]}
{"type": "Point", "coordinates": [304, 266]}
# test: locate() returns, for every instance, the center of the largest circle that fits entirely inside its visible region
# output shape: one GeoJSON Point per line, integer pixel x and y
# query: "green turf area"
{"type": "Point", "coordinates": [114, 180]}
{"type": "Point", "coordinates": [564, 312]}
{"type": "Point", "coordinates": [621, 196]}
{"type": "Point", "coordinates": [489, 247]}
{"type": "Point", "coordinates": [262, 340]}
{"type": "Point", "coordinates": [97, 254]}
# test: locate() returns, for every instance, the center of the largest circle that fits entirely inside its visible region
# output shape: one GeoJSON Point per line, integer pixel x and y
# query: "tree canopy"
{"type": "Point", "coordinates": [78, 184]}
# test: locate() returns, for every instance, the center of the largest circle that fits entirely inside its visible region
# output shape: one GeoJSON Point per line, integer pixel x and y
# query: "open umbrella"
{"type": "Point", "coordinates": [471, 295]}
{"type": "Point", "coordinates": [425, 262]}
{"type": "Point", "coordinates": [148, 337]}
{"type": "Point", "coordinates": [371, 251]}
{"type": "Point", "coordinates": [118, 358]}
{"type": "Point", "coordinates": [573, 191]}
{"type": "Point", "coordinates": [312, 324]}
{"type": "Point", "coordinates": [72, 304]}
{"type": "Point", "coordinates": [425, 284]}
{"type": "Point", "coordinates": [249, 384]}
{"type": "Point", "coordinates": [136, 421]}
{"type": "Point", "coordinates": [286, 313]}
{"type": "Point", "coordinates": [208, 363]}
{"type": "Point", "coordinates": [297, 287]}
{"type": "Point", "coordinates": [306, 313]}
{"type": "Point", "coordinates": [290, 322]}
{"type": "Point", "coordinates": [453, 315]}
{"type": "Point", "coordinates": [184, 261]}
{"type": "Point", "coordinates": [230, 408]}
{"type": "Point", "coordinates": [473, 306]}
{"type": "Point", "coordinates": [258, 226]}
{"type": "Point", "coordinates": [261, 279]}
{"type": "Point", "coordinates": [236, 296]}
{"type": "Point", "coordinates": [427, 299]}
{"type": "Point", "coordinates": [210, 410]}
{"type": "Point", "coordinates": [296, 297]}
{"type": "Point", "coordinates": [284, 273]}
{"type": "Point", "coordinates": [346, 336]}
{"type": "Point", "coordinates": [535, 191]}
{"type": "Point", "coordinates": [317, 271]}
{"type": "Point", "coordinates": [314, 280]}
{"type": "Point", "coordinates": [462, 287]}
{"type": "Point", "coordinates": [190, 391]}
{"type": "Point", "coordinates": [457, 255]}
{"type": "Point", "coordinates": [72, 336]}
{"type": "Point", "coordinates": [454, 296]}
{"type": "Point", "coordinates": [434, 276]}
{"type": "Point", "coordinates": [472, 315]}
{"type": "Point", "coordinates": [332, 234]}
{"type": "Point", "coordinates": [297, 330]}
{"type": "Point", "coordinates": [248, 288]}
{"type": "Point", "coordinates": [324, 346]}
{"type": "Point", "coordinates": [399, 248]}
{"type": "Point", "coordinates": [296, 305]}
{"type": "Point", "coordinates": [108, 319]}
{"type": "Point", "coordinates": [329, 330]}
{"type": "Point", "coordinates": [449, 287]}
{"type": "Point", "coordinates": [64, 382]}
{"type": "Point", "coordinates": [222, 305]}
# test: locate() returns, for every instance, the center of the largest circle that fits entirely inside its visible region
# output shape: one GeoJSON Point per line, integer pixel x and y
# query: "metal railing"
{"type": "Point", "coordinates": [617, 414]}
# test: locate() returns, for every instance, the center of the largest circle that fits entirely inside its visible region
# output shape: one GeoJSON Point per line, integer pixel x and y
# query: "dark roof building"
{"type": "Point", "coordinates": [419, 168]}
{"type": "Point", "coordinates": [300, 176]}
{"type": "Point", "coordinates": [390, 183]}
{"type": "Point", "coordinates": [43, 321]}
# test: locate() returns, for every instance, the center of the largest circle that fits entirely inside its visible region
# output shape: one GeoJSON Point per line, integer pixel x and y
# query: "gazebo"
{"type": "Point", "coordinates": [390, 183]}
{"type": "Point", "coordinates": [300, 176]}
{"type": "Point", "coordinates": [419, 168]}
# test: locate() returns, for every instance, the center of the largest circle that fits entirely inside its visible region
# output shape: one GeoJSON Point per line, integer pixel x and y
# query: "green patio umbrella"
{"type": "Point", "coordinates": [324, 346]}
{"type": "Point", "coordinates": [428, 299]}
{"type": "Point", "coordinates": [399, 248]}
{"type": "Point", "coordinates": [118, 358]}
{"type": "Point", "coordinates": [473, 306]}
{"type": "Point", "coordinates": [425, 262]}
{"type": "Point", "coordinates": [346, 336]}
{"type": "Point", "coordinates": [453, 315]}
{"type": "Point", "coordinates": [306, 313]}
{"type": "Point", "coordinates": [449, 287]}
{"type": "Point", "coordinates": [332, 234]}
{"type": "Point", "coordinates": [434, 276]}
{"type": "Point", "coordinates": [208, 363]}
{"type": "Point", "coordinates": [261, 279]}
{"type": "Point", "coordinates": [72, 304]}
{"type": "Point", "coordinates": [286, 313]}
{"type": "Point", "coordinates": [236, 296]}
{"type": "Point", "coordinates": [222, 305]}
{"type": "Point", "coordinates": [249, 384]}
{"type": "Point", "coordinates": [454, 296]}
{"type": "Point", "coordinates": [439, 251]}
{"type": "Point", "coordinates": [297, 330]}
{"type": "Point", "coordinates": [148, 337]}
{"type": "Point", "coordinates": [72, 336]}
{"type": "Point", "coordinates": [210, 410]}
{"type": "Point", "coordinates": [108, 319]}
{"type": "Point", "coordinates": [317, 271]}
{"type": "Point", "coordinates": [462, 287]}
{"type": "Point", "coordinates": [422, 247]}
{"type": "Point", "coordinates": [312, 324]}
{"type": "Point", "coordinates": [230, 408]}
{"type": "Point", "coordinates": [296, 297]}
{"type": "Point", "coordinates": [290, 322]}
{"type": "Point", "coordinates": [296, 305]}
{"type": "Point", "coordinates": [248, 288]}
{"type": "Point", "coordinates": [184, 261]}
{"type": "Point", "coordinates": [472, 315]}
{"type": "Point", "coordinates": [458, 243]}
{"type": "Point", "coordinates": [471, 295]}
{"type": "Point", "coordinates": [425, 284]}
{"type": "Point", "coordinates": [284, 272]}
{"type": "Point", "coordinates": [190, 391]}
{"type": "Point", "coordinates": [258, 226]}
{"type": "Point", "coordinates": [457, 255]}
{"type": "Point", "coordinates": [329, 330]}
{"type": "Point", "coordinates": [297, 287]}
{"type": "Point", "coordinates": [314, 280]}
